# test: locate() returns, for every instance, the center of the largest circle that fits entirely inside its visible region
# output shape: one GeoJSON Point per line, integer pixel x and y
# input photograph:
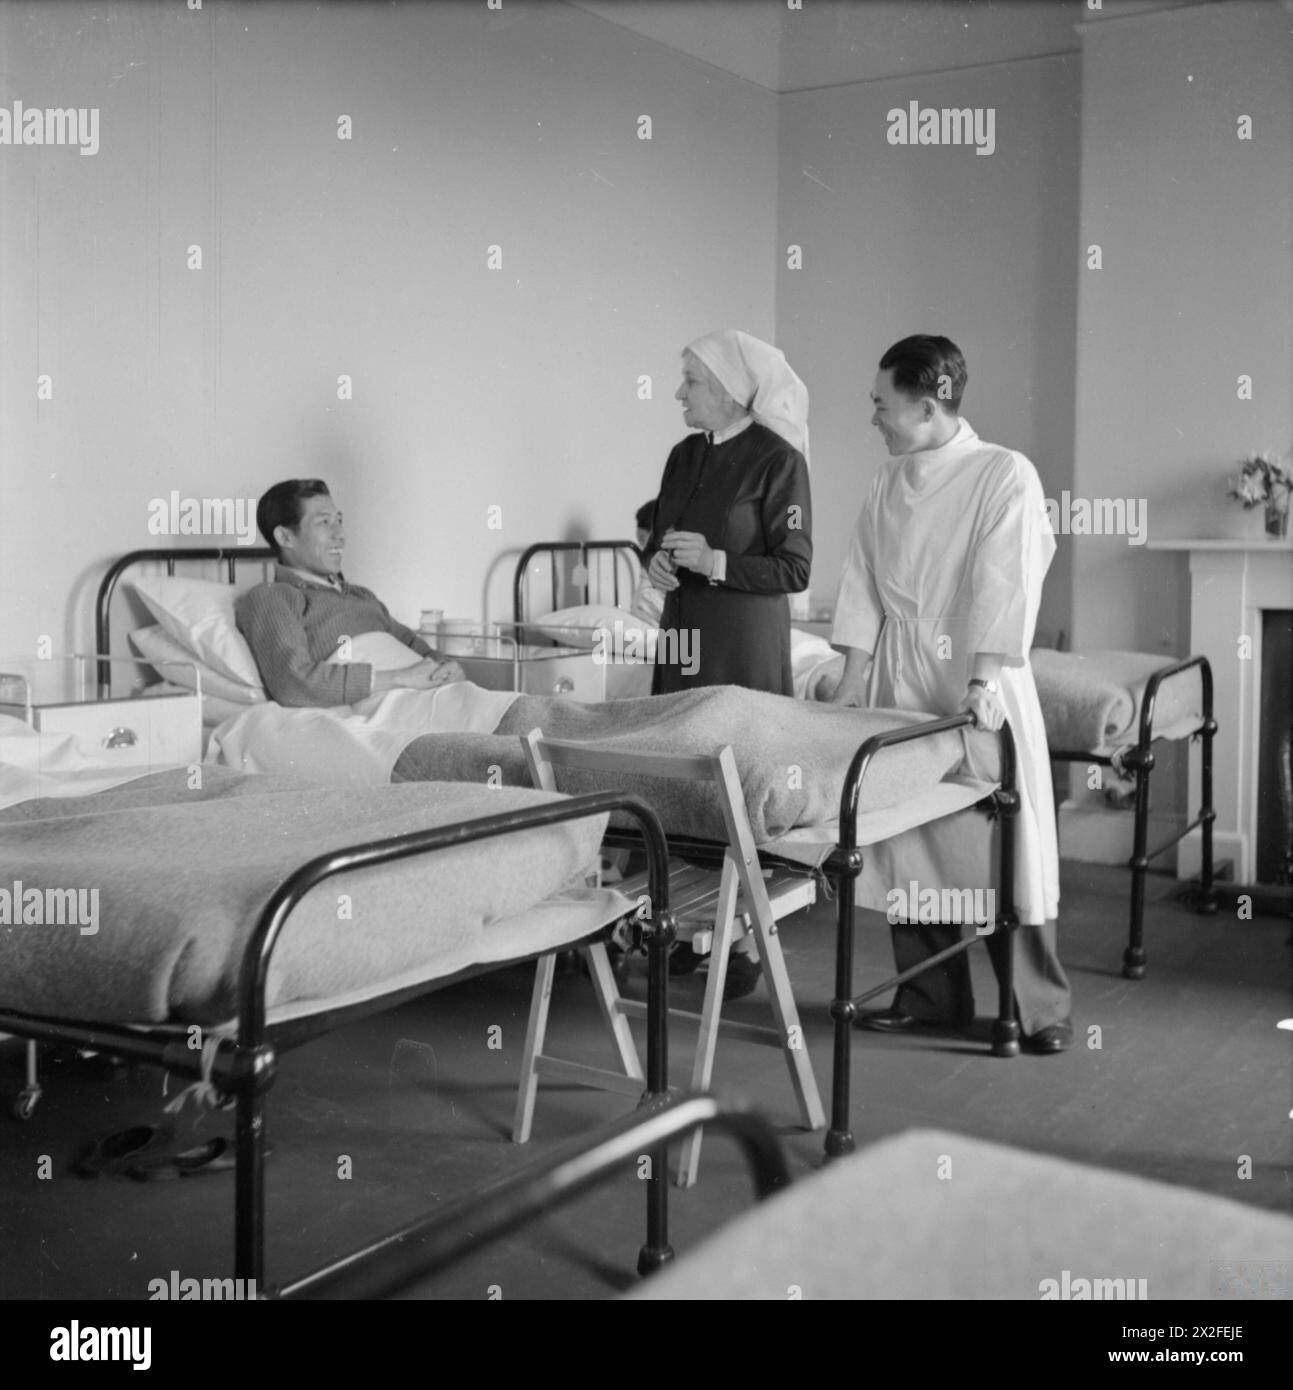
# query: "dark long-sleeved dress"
{"type": "Point", "coordinates": [748, 496]}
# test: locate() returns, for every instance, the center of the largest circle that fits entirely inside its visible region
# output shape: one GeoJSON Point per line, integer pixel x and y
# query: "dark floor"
{"type": "Point", "coordinates": [1189, 1075]}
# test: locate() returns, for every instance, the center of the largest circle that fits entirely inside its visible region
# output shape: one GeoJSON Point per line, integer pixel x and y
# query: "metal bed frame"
{"type": "Point", "coordinates": [390, 1265]}
{"type": "Point", "coordinates": [168, 556]}
{"type": "Point", "coordinates": [1139, 760]}
{"type": "Point", "coordinates": [845, 864]}
{"type": "Point", "coordinates": [245, 1067]}
{"type": "Point", "coordinates": [584, 548]}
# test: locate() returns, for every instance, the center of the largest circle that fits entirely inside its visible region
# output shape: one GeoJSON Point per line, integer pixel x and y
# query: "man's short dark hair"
{"type": "Point", "coordinates": [283, 504]}
{"type": "Point", "coordinates": [925, 365]}
{"type": "Point", "coordinates": [645, 518]}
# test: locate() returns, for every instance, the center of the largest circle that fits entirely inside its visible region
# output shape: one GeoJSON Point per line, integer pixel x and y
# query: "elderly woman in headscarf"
{"type": "Point", "coordinates": [731, 536]}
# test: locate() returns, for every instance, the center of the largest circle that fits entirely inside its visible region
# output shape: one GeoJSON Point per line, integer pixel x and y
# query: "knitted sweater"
{"type": "Point", "coordinates": [294, 628]}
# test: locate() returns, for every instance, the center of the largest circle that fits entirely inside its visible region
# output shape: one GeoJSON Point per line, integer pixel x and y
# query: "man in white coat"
{"type": "Point", "coordinates": [936, 612]}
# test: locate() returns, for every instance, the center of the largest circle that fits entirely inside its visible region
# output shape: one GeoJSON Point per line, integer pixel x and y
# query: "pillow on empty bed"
{"type": "Point", "coordinates": [199, 615]}
{"type": "Point", "coordinates": [177, 666]}
{"type": "Point", "coordinates": [580, 626]}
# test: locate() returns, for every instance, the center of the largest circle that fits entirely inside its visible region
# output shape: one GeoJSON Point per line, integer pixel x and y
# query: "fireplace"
{"type": "Point", "coordinates": [1233, 586]}
{"type": "Point", "coordinates": [1275, 751]}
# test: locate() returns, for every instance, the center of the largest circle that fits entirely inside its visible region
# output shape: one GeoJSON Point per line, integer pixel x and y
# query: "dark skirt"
{"type": "Point", "coordinates": [710, 635]}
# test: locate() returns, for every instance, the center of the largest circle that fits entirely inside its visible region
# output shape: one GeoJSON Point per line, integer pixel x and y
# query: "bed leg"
{"type": "Point", "coordinates": [249, 1174]}
{"type": "Point", "coordinates": [657, 1251]}
{"type": "Point", "coordinates": [1005, 1027]}
{"type": "Point", "coordinates": [844, 868]}
{"type": "Point", "coordinates": [1207, 903]}
{"type": "Point", "coordinates": [1134, 958]}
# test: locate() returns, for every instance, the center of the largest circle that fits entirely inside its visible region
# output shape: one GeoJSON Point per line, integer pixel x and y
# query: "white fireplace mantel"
{"type": "Point", "coordinates": [1231, 583]}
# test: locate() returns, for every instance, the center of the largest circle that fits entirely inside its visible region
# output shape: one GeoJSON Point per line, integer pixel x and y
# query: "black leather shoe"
{"type": "Point", "coordinates": [895, 1020]}
{"type": "Point", "coordinates": [742, 978]}
{"type": "Point", "coordinates": [683, 960]}
{"type": "Point", "coordinates": [1056, 1038]}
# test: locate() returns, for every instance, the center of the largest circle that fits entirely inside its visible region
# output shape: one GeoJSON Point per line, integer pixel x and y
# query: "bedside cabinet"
{"type": "Point", "coordinates": [156, 732]}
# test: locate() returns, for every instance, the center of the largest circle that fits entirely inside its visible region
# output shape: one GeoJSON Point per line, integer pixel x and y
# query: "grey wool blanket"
{"type": "Point", "coordinates": [1091, 701]}
{"type": "Point", "coordinates": [172, 880]}
{"type": "Point", "coordinates": [791, 755]}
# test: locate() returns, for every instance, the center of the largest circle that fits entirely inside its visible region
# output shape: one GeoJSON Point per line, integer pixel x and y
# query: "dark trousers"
{"type": "Point", "coordinates": [944, 994]}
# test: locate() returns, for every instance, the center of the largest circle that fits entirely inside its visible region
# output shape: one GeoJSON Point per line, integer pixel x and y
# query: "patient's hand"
{"type": "Point", "coordinates": [420, 676]}
{"type": "Point", "coordinates": [446, 672]}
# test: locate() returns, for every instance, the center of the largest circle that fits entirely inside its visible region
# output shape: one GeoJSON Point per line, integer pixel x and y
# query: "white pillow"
{"type": "Point", "coordinates": [380, 650]}
{"type": "Point", "coordinates": [199, 615]}
{"type": "Point", "coordinates": [157, 646]}
{"type": "Point", "coordinates": [578, 627]}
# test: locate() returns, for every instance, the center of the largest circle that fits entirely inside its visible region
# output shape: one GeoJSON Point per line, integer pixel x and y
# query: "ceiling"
{"type": "Point", "coordinates": [833, 42]}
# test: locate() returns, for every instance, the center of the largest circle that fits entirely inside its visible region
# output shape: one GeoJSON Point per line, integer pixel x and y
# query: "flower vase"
{"type": "Point", "coordinates": [1277, 517]}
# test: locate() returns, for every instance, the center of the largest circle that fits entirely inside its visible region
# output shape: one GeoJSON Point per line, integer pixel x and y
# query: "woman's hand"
{"type": "Point", "coordinates": [986, 708]}
{"type": "Point", "coordinates": [690, 550]}
{"type": "Point", "coordinates": [661, 572]}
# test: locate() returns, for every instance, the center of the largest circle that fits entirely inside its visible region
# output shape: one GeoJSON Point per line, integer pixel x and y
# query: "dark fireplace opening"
{"type": "Point", "coordinates": [1275, 751]}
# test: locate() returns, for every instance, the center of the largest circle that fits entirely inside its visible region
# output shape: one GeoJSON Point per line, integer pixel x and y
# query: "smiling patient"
{"type": "Point", "coordinates": [298, 625]}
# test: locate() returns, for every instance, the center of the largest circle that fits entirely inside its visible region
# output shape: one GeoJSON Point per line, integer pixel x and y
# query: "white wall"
{"type": "Point", "coordinates": [900, 239]}
{"type": "Point", "coordinates": [1196, 290]}
{"type": "Point", "coordinates": [472, 388]}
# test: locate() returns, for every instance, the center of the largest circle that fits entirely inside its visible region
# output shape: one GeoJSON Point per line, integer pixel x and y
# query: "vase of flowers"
{"type": "Point", "coordinates": [1262, 481]}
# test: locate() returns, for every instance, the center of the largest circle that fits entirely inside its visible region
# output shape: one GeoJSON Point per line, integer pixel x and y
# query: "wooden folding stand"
{"type": "Point", "coordinates": [725, 907]}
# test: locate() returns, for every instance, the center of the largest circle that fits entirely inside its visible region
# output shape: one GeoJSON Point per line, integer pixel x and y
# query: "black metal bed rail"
{"type": "Point", "coordinates": [245, 1068]}
{"type": "Point", "coordinates": [1139, 760]}
{"type": "Point", "coordinates": [169, 556]}
{"type": "Point", "coordinates": [258, 1054]}
{"type": "Point", "coordinates": [425, 1246]}
{"type": "Point", "coordinates": [554, 548]}
{"type": "Point", "coordinates": [845, 866]}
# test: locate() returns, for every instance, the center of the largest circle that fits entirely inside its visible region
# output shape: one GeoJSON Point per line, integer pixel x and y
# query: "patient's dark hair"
{"type": "Point", "coordinates": [645, 518]}
{"type": "Point", "coordinates": [920, 362]}
{"type": "Point", "coordinates": [282, 506]}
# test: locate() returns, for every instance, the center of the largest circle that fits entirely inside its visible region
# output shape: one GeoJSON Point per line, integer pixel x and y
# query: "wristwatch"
{"type": "Point", "coordinates": [992, 687]}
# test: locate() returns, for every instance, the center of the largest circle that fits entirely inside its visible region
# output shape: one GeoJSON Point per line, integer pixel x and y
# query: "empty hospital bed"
{"type": "Point", "coordinates": [1109, 709]}
{"type": "Point", "coordinates": [215, 946]}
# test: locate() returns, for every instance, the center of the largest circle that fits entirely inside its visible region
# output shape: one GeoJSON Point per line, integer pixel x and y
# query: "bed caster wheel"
{"type": "Point", "coordinates": [25, 1106]}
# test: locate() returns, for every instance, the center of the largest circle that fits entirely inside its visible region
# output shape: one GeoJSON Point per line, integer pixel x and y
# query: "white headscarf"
{"type": "Point", "coordinates": [757, 376]}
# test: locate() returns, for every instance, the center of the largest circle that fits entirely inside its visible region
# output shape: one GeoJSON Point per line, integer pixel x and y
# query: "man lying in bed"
{"type": "Point", "coordinates": [297, 625]}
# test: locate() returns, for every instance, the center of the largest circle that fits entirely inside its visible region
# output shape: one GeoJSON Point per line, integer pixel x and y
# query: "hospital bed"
{"type": "Point", "coordinates": [214, 951]}
{"type": "Point", "coordinates": [1109, 709]}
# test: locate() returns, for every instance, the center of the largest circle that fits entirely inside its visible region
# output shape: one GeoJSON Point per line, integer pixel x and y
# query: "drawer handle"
{"type": "Point", "coordinates": [120, 737]}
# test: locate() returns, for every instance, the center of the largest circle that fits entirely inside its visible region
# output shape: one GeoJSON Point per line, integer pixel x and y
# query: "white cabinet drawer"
{"type": "Point", "coordinates": [156, 733]}
{"type": "Point", "coordinates": [574, 674]}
